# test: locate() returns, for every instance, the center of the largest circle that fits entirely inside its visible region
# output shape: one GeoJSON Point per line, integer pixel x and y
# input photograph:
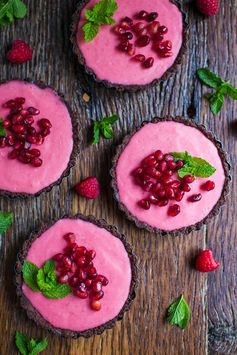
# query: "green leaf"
{"type": "Point", "coordinates": [58, 291]}
{"type": "Point", "coordinates": [30, 272]}
{"type": "Point", "coordinates": [49, 266]}
{"type": "Point", "coordinates": [96, 133]}
{"type": "Point", "coordinates": [19, 9]}
{"type": "Point", "coordinates": [209, 78]}
{"type": "Point", "coordinates": [216, 102]}
{"type": "Point", "coordinates": [39, 347]}
{"type": "Point", "coordinates": [107, 130]}
{"type": "Point", "coordinates": [112, 119]}
{"type": "Point", "coordinates": [21, 342]}
{"type": "Point", "coordinates": [231, 91]}
{"type": "Point", "coordinates": [90, 31]}
{"type": "Point", "coordinates": [3, 132]}
{"type": "Point", "coordinates": [181, 156]}
{"type": "Point", "coordinates": [6, 219]}
{"type": "Point", "coordinates": [31, 345]}
{"type": "Point", "coordinates": [104, 127]}
{"type": "Point", "coordinates": [179, 313]}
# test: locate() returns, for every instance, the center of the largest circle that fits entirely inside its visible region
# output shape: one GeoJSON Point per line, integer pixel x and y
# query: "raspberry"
{"type": "Point", "coordinates": [20, 52]}
{"type": "Point", "coordinates": [205, 262]}
{"type": "Point", "coordinates": [208, 7]}
{"type": "Point", "coordinates": [89, 188]}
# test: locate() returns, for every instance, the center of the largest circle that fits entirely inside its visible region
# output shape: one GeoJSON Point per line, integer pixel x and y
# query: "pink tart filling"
{"type": "Point", "coordinates": [156, 55]}
{"type": "Point", "coordinates": [52, 122]}
{"type": "Point", "coordinates": [183, 202]}
{"type": "Point", "coordinates": [72, 312]}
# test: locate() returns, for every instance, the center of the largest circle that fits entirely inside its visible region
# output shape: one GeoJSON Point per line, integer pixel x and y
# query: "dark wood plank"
{"type": "Point", "coordinates": [164, 262]}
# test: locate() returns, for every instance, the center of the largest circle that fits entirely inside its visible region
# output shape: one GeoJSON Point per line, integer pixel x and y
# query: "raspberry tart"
{"type": "Point", "coordinates": [76, 276]}
{"type": "Point", "coordinates": [34, 122]}
{"type": "Point", "coordinates": [170, 176]}
{"type": "Point", "coordinates": [143, 44]}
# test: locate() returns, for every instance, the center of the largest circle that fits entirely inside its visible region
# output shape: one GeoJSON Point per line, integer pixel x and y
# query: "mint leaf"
{"type": "Point", "coordinates": [30, 271]}
{"type": "Point", "coordinates": [40, 346]}
{"type": "Point", "coordinates": [96, 133]}
{"type": "Point", "coordinates": [231, 91]}
{"type": "Point", "coordinates": [181, 156]}
{"type": "Point", "coordinates": [104, 128]}
{"type": "Point", "coordinates": [101, 14]}
{"type": "Point", "coordinates": [57, 291]}
{"type": "Point", "coordinates": [179, 313]}
{"type": "Point", "coordinates": [3, 131]}
{"type": "Point", "coordinates": [6, 219]}
{"type": "Point", "coordinates": [90, 31]}
{"type": "Point", "coordinates": [209, 78]}
{"type": "Point", "coordinates": [21, 342]}
{"type": "Point", "coordinates": [49, 266]}
{"type": "Point", "coordinates": [31, 345]}
{"type": "Point", "coordinates": [112, 119]}
{"type": "Point", "coordinates": [19, 9]}
{"type": "Point", "coordinates": [216, 102]}
{"type": "Point", "coordinates": [107, 130]}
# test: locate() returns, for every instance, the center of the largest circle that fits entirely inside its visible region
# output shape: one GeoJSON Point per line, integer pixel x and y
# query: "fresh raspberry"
{"type": "Point", "coordinates": [20, 52]}
{"type": "Point", "coordinates": [89, 187]}
{"type": "Point", "coordinates": [208, 7]}
{"type": "Point", "coordinates": [205, 262]}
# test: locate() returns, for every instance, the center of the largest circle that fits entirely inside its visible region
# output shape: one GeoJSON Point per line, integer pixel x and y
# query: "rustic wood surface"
{"type": "Point", "coordinates": [165, 263]}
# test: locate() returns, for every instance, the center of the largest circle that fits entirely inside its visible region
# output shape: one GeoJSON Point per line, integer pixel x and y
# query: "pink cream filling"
{"type": "Point", "coordinates": [56, 150]}
{"type": "Point", "coordinates": [168, 137]}
{"type": "Point", "coordinates": [111, 260]}
{"type": "Point", "coordinates": [109, 63]}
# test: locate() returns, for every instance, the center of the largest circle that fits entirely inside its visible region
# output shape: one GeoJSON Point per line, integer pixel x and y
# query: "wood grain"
{"type": "Point", "coordinates": [165, 263]}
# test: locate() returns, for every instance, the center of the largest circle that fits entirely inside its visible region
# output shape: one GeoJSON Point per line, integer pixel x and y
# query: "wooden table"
{"type": "Point", "coordinates": [165, 263]}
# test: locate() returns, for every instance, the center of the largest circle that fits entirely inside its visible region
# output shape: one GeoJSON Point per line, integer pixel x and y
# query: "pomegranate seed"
{"type": "Point", "coordinates": [119, 30]}
{"type": "Point", "coordinates": [169, 192]}
{"type": "Point", "coordinates": [45, 132]}
{"type": "Point", "coordinates": [124, 46]}
{"type": "Point", "coordinates": [81, 251]}
{"type": "Point", "coordinates": [137, 171]}
{"type": "Point", "coordinates": [33, 111]}
{"type": "Point", "coordinates": [3, 142]}
{"type": "Point", "coordinates": [195, 198]}
{"type": "Point", "coordinates": [188, 179]}
{"type": "Point", "coordinates": [185, 187]}
{"type": "Point", "coordinates": [92, 273]}
{"type": "Point", "coordinates": [143, 32]}
{"type": "Point", "coordinates": [24, 157]}
{"type": "Point", "coordinates": [16, 119]}
{"type": "Point", "coordinates": [82, 275]}
{"type": "Point", "coordinates": [95, 305]}
{"type": "Point", "coordinates": [131, 49]}
{"type": "Point", "coordinates": [102, 279]}
{"type": "Point", "coordinates": [149, 161]}
{"type": "Point", "coordinates": [161, 192]}
{"type": "Point", "coordinates": [88, 284]}
{"type": "Point", "coordinates": [81, 261]}
{"type": "Point", "coordinates": [142, 14]}
{"type": "Point", "coordinates": [96, 286]}
{"type": "Point", "coordinates": [143, 41]}
{"type": "Point", "coordinates": [67, 262]}
{"type": "Point", "coordinates": [163, 30]}
{"type": "Point", "coordinates": [36, 162]}
{"type": "Point", "coordinates": [145, 204]}
{"type": "Point", "coordinates": [153, 27]}
{"type": "Point", "coordinates": [24, 113]}
{"type": "Point", "coordinates": [168, 45]}
{"type": "Point", "coordinates": [63, 279]}
{"type": "Point", "coordinates": [179, 164]}
{"type": "Point", "coordinates": [149, 62]}
{"type": "Point", "coordinates": [139, 26]}
{"type": "Point", "coordinates": [156, 187]}
{"type": "Point", "coordinates": [9, 104]}
{"type": "Point", "coordinates": [20, 100]}
{"type": "Point", "coordinates": [179, 195]}
{"type": "Point", "coordinates": [18, 145]}
{"type": "Point", "coordinates": [69, 237]}
{"type": "Point", "coordinates": [6, 123]}
{"type": "Point", "coordinates": [168, 157]}
{"type": "Point", "coordinates": [139, 58]}
{"type": "Point", "coordinates": [166, 180]}
{"type": "Point", "coordinates": [39, 139]}
{"type": "Point", "coordinates": [158, 38]}
{"type": "Point", "coordinates": [153, 200]}
{"type": "Point", "coordinates": [90, 255]}
{"type": "Point", "coordinates": [128, 20]}
{"type": "Point", "coordinates": [81, 294]}
{"type": "Point", "coordinates": [125, 25]}
{"type": "Point", "coordinates": [171, 164]}
{"type": "Point", "coordinates": [168, 172]}
{"type": "Point", "coordinates": [208, 185]}
{"type": "Point", "coordinates": [13, 154]}
{"type": "Point", "coordinates": [151, 171]}
{"type": "Point", "coordinates": [19, 128]}
{"type": "Point", "coordinates": [28, 120]}
{"type": "Point", "coordinates": [31, 131]}
{"type": "Point", "coordinates": [158, 155]}
{"type": "Point", "coordinates": [162, 166]}
{"type": "Point", "coordinates": [73, 267]}
{"type": "Point", "coordinates": [97, 295]}
{"type": "Point", "coordinates": [167, 54]}
{"type": "Point", "coordinates": [163, 202]}
{"type": "Point", "coordinates": [148, 186]}
{"type": "Point", "coordinates": [152, 16]}
{"type": "Point", "coordinates": [31, 139]}
{"type": "Point", "coordinates": [10, 140]}
{"type": "Point", "coordinates": [58, 257]}
{"type": "Point", "coordinates": [175, 184]}
{"type": "Point", "coordinates": [174, 210]}
{"type": "Point", "coordinates": [35, 152]}
{"type": "Point", "coordinates": [127, 36]}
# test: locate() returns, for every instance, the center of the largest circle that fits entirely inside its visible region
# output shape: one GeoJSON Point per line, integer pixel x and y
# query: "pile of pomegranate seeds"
{"type": "Point", "coordinates": [76, 268]}
{"type": "Point", "coordinates": [146, 30]}
{"type": "Point", "coordinates": [158, 176]}
{"type": "Point", "coordinates": [21, 134]}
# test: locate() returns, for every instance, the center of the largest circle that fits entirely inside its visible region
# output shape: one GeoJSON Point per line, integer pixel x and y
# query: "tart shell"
{"type": "Point", "coordinates": [32, 311]}
{"type": "Point", "coordinates": [216, 209]}
{"type": "Point", "coordinates": [74, 153]}
{"type": "Point", "coordinates": [120, 87]}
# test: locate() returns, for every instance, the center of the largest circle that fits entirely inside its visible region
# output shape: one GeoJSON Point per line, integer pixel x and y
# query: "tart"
{"type": "Point", "coordinates": [145, 44]}
{"type": "Point", "coordinates": [170, 176]}
{"type": "Point", "coordinates": [101, 276]}
{"type": "Point", "coordinates": [35, 122]}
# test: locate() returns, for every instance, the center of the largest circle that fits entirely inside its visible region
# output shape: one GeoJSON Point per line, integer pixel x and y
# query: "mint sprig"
{"type": "Point", "coordinates": [3, 131]}
{"type": "Point", "coordinates": [101, 14]}
{"type": "Point", "coordinates": [6, 219]}
{"type": "Point", "coordinates": [195, 166]}
{"type": "Point", "coordinates": [44, 280]}
{"type": "Point", "coordinates": [104, 128]}
{"type": "Point", "coordinates": [178, 313]}
{"type": "Point", "coordinates": [10, 9]}
{"type": "Point", "coordinates": [222, 89]}
{"type": "Point", "coordinates": [27, 346]}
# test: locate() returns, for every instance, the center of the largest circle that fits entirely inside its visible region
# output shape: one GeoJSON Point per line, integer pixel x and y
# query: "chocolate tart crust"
{"type": "Point", "coordinates": [76, 143]}
{"type": "Point", "coordinates": [216, 209]}
{"type": "Point", "coordinates": [121, 87]}
{"type": "Point", "coordinates": [36, 316]}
